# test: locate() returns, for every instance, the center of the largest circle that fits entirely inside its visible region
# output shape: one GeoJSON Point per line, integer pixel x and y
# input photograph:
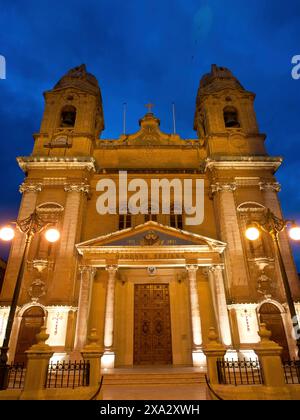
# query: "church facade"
{"type": "Point", "coordinates": [151, 285]}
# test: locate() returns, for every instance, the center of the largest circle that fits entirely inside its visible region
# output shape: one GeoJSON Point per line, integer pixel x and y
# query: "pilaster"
{"type": "Point", "coordinates": [223, 196]}
{"type": "Point", "coordinates": [87, 275]}
{"type": "Point", "coordinates": [64, 273]}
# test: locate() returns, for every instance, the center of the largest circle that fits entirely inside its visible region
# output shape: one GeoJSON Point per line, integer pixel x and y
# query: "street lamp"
{"type": "Point", "coordinates": [273, 225]}
{"type": "Point", "coordinates": [29, 226]}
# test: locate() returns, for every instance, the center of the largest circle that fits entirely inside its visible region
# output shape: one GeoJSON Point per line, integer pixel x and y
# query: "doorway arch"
{"type": "Point", "coordinates": [270, 314]}
{"type": "Point", "coordinates": [31, 323]}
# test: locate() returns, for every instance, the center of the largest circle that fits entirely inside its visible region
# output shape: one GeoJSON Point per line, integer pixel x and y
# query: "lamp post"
{"type": "Point", "coordinates": [273, 225]}
{"type": "Point", "coordinates": [29, 226]}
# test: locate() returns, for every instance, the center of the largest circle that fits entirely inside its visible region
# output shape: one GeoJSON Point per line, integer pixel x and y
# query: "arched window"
{"type": "Point", "coordinates": [68, 116]}
{"type": "Point", "coordinates": [175, 219]}
{"type": "Point", "coordinates": [231, 119]}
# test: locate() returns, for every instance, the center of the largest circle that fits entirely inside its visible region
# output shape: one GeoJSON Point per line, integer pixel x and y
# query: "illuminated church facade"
{"type": "Point", "coordinates": [151, 285]}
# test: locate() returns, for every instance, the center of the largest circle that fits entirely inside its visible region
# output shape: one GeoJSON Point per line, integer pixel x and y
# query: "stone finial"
{"type": "Point", "coordinates": [92, 343]}
{"type": "Point", "coordinates": [42, 336]}
{"type": "Point", "coordinates": [264, 333]}
{"type": "Point", "coordinates": [212, 335]}
{"type": "Point", "coordinates": [213, 348]}
{"type": "Point", "coordinates": [41, 346]}
{"type": "Point", "coordinates": [93, 337]}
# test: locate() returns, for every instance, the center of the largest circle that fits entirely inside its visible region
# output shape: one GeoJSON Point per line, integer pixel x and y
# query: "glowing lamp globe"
{"type": "Point", "coordinates": [252, 233]}
{"type": "Point", "coordinates": [52, 235]}
{"type": "Point", "coordinates": [7, 233]}
{"type": "Point", "coordinates": [294, 233]}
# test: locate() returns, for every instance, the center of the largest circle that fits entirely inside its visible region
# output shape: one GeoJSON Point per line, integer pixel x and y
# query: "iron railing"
{"type": "Point", "coordinates": [291, 371]}
{"type": "Point", "coordinates": [239, 372]}
{"type": "Point", "coordinates": [68, 374]}
{"type": "Point", "coordinates": [16, 376]}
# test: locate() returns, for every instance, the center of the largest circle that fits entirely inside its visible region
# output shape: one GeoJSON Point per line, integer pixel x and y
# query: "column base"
{"type": "Point", "coordinates": [199, 358]}
{"type": "Point", "coordinates": [108, 360]}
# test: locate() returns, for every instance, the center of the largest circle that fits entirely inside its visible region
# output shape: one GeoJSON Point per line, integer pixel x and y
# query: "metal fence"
{"type": "Point", "coordinates": [239, 372]}
{"type": "Point", "coordinates": [68, 374]}
{"type": "Point", "coordinates": [291, 371]}
{"type": "Point", "coordinates": [16, 376]}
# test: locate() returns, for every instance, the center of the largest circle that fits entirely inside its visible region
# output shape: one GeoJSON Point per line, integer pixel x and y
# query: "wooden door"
{"type": "Point", "coordinates": [271, 316]}
{"type": "Point", "coordinates": [31, 323]}
{"type": "Point", "coordinates": [152, 324]}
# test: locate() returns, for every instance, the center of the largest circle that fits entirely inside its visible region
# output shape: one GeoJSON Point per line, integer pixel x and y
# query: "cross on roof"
{"type": "Point", "coordinates": [149, 106]}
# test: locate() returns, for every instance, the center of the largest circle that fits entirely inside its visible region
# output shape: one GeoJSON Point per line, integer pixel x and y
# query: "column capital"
{"type": "Point", "coordinates": [77, 187]}
{"type": "Point", "coordinates": [88, 269]}
{"type": "Point", "coordinates": [269, 186]}
{"type": "Point", "coordinates": [215, 268]}
{"type": "Point", "coordinates": [30, 187]}
{"type": "Point", "coordinates": [223, 187]}
{"type": "Point", "coordinates": [112, 269]}
{"type": "Point", "coordinates": [191, 268]}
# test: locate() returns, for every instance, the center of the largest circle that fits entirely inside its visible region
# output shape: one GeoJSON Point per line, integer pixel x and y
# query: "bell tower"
{"type": "Point", "coordinates": [73, 116]}
{"type": "Point", "coordinates": [225, 119]}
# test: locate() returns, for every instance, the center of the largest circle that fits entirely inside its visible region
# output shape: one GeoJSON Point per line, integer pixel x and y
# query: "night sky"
{"type": "Point", "coordinates": [143, 51]}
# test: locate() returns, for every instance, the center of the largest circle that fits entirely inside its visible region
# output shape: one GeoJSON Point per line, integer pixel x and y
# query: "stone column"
{"type": "Point", "coordinates": [216, 281]}
{"type": "Point", "coordinates": [30, 192]}
{"type": "Point", "coordinates": [63, 277]}
{"type": "Point", "coordinates": [36, 372]}
{"type": "Point", "coordinates": [87, 275]}
{"type": "Point", "coordinates": [197, 354]}
{"type": "Point", "coordinates": [108, 358]}
{"type": "Point", "coordinates": [270, 191]}
{"type": "Point", "coordinates": [223, 194]}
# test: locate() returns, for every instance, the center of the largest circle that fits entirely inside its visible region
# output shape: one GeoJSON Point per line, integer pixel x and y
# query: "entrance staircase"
{"type": "Point", "coordinates": [154, 383]}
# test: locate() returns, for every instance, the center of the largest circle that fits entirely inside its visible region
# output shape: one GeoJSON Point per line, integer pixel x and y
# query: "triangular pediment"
{"type": "Point", "coordinates": [151, 234]}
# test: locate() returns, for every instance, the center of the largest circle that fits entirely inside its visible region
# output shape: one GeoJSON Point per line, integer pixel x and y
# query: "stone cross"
{"type": "Point", "coordinates": [149, 106]}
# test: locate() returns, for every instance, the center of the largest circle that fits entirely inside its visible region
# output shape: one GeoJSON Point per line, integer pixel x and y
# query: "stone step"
{"type": "Point", "coordinates": [153, 378]}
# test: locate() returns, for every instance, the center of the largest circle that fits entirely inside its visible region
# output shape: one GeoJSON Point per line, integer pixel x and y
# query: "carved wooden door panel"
{"type": "Point", "coordinates": [152, 324]}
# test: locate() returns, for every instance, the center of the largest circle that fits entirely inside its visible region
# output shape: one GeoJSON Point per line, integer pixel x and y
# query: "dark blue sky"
{"type": "Point", "coordinates": [144, 51]}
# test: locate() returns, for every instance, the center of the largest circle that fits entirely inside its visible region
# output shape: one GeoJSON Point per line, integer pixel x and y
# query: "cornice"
{"type": "Point", "coordinates": [57, 163]}
{"type": "Point", "coordinates": [147, 250]}
{"type": "Point", "coordinates": [243, 162]}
